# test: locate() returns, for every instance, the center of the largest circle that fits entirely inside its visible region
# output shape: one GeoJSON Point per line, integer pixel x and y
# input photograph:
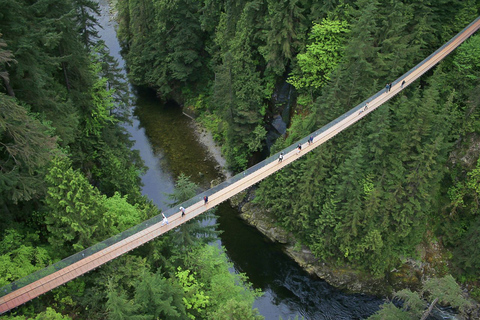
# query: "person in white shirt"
{"type": "Point", "coordinates": [165, 220]}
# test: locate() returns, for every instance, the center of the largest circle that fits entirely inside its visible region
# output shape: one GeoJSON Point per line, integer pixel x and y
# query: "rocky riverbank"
{"type": "Point", "coordinates": [410, 275]}
{"type": "Point", "coordinates": [344, 278]}
{"type": "Point", "coordinates": [206, 138]}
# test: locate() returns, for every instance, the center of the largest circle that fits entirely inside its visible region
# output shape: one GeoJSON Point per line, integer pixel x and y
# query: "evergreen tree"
{"type": "Point", "coordinates": [210, 286]}
{"type": "Point", "coordinates": [444, 290]}
{"type": "Point", "coordinates": [21, 255]}
{"type": "Point", "coordinates": [285, 23]}
{"type": "Point", "coordinates": [159, 297]}
{"type": "Point", "coordinates": [321, 56]}
{"type": "Point", "coordinates": [26, 147]}
{"type": "Point", "coordinates": [78, 215]}
{"type": "Point", "coordinates": [74, 208]}
{"type": "Point", "coordinates": [198, 231]}
{"type": "Point", "coordinates": [6, 57]}
{"type": "Point", "coordinates": [87, 12]}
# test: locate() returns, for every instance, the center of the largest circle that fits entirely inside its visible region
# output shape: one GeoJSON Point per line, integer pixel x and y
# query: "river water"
{"type": "Point", "coordinates": [169, 146]}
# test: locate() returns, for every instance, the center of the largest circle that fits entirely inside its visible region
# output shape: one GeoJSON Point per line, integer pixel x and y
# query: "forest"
{"type": "Point", "coordinates": [69, 179]}
{"type": "Point", "coordinates": [403, 180]}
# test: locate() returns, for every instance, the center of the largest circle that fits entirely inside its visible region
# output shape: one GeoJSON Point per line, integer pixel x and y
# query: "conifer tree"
{"type": "Point", "coordinates": [26, 147]}
{"type": "Point", "coordinates": [87, 12]}
{"type": "Point", "coordinates": [195, 232]}
{"type": "Point", "coordinates": [286, 24]}
{"type": "Point", "coordinates": [322, 55]}
{"type": "Point", "coordinates": [6, 57]}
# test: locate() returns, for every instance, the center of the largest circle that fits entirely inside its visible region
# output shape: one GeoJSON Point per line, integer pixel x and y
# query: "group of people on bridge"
{"type": "Point", "coordinates": [388, 87]}
{"type": "Point", "coordinates": [182, 210]}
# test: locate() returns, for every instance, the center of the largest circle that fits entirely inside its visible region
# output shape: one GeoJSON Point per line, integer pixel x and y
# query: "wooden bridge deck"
{"type": "Point", "coordinates": [47, 283]}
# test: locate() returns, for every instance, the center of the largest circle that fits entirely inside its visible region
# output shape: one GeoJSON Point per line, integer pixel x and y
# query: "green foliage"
{"type": "Point", "coordinates": [184, 189]}
{"type": "Point", "coordinates": [466, 193]}
{"type": "Point", "coordinates": [48, 314]}
{"type": "Point", "coordinates": [165, 43]}
{"type": "Point", "coordinates": [389, 311]}
{"type": "Point", "coordinates": [117, 83]}
{"type": "Point", "coordinates": [214, 124]}
{"type": "Point", "coordinates": [285, 23]}
{"type": "Point", "coordinates": [86, 18]}
{"type": "Point", "coordinates": [155, 297]}
{"type": "Point", "coordinates": [467, 59]}
{"type": "Point", "coordinates": [6, 57]}
{"type": "Point", "coordinates": [51, 314]}
{"type": "Point", "coordinates": [447, 291]}
{"type": "Point", "coordinates": [210, 267]}
{"type": "Point", "coordinates": [194, 299]}
{"type": "Point", "coordinates": [321, 56]}
{"type": "Point", "coordinates": [119, 214]}
{"type": "Point", "coordinates": [366, 198]}
{"type": "Point", "coordinates": [20, 256]}
{"type": "Point", "coordinates": [26, 146]}
{"type": "Point", "coordinates": [238, 93]}
{"type": "Point", "coordinates": [74, 208]}
{"type": "Point", "coordinates": [444, 290]}
{"type": "Point", "coordinates": [119, 307]}
{"type": "Point", "coordinates": [78, 215]}
{"type": "Point", "coordinates": [412, 302]}
{"type": "Point", "coordinates": [102, 103]}
{"type": "Point", "coordinates": [255, 140]}
{"type": "Point", "coordinates": [200, 288]}
{"type": "Point", "coordinates": [236, 310]}
{"type": "Point", "coordinates": [194, 232]}
{"type": "Point", "coordinates": [159, 297]}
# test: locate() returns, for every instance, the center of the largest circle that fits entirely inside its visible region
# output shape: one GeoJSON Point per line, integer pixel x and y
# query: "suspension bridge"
{"type": "Point", "coordinates": [53, 276]}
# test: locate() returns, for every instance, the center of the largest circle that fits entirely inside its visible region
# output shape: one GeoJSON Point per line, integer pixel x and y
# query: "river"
{"type": "Point", "coordinates": [168, 144]}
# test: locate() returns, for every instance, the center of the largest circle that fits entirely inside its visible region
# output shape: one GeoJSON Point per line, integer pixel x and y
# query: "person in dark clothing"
{"type": "Point", "coordinates": [205, 199]}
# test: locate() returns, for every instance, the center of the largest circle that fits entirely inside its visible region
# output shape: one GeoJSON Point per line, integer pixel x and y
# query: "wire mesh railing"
{"type": "Point", "coordinates": [198, 198]}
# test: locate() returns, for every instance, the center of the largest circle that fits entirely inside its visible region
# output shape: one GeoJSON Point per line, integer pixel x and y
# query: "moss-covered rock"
{"type": "Point", "coordinates": [238, 199]}
{"type": "Point", "coordinates": [264, 222]}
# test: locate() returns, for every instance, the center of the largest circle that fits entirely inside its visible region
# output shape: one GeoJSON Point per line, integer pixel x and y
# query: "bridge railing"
{"type": "Point", "coordinates": [157, 219]}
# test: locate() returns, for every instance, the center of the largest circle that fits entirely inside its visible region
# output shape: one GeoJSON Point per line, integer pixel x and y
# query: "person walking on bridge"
{"type": "Point", "coordinates": [165, 220]}
{"type": "Point", "coordinates": [205, 199]}
{"type": "Point", "coordinates": [280, 157]}
{"type": "Point", "coordinates": [365, 108]}
{"type": "Point", "coordinates": [183, 211]}
{"type": "Point", "coordinates": [299, 147]}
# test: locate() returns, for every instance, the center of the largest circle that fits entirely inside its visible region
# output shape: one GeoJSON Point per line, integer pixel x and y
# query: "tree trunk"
{"type": "Point", "coordinates": [8, 87]}
{"type": "Point", "coordinates": [427, 312]}
{"type": "Point", "coordinates": [67, 83]}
